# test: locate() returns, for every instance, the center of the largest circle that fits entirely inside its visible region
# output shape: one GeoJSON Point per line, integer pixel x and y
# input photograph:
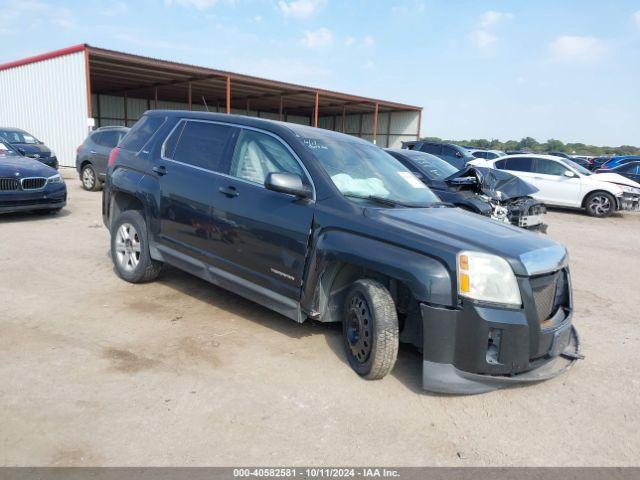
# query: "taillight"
{"type": "Point", "coordinates": [112, 156]}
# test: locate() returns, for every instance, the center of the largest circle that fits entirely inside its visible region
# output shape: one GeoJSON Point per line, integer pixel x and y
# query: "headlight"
{"type": "Point", "coordinates": [54, 179]}
{"type": "Point", "coordinates": [487, 278]}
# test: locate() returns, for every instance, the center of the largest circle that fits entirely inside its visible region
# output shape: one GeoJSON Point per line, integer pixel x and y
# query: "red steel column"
{"type": "Point", "coordinates": [88, 75]}
{"type": "Point", "coordinates": [315, 111]}
{"type": "Point", "coordinates": [228, 94]}
{"type": "Point", "coordinates": [375, 123]}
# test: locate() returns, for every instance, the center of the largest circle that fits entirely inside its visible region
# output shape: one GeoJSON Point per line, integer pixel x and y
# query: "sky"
{"type": "Point", "coordinates": [568, 70]}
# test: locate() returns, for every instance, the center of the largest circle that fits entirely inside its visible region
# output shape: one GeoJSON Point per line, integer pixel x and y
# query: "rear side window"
{"type": "Point", "coordinates": [480, 155]}
{"type": "Point", "coordinates": [258, 154]}
{"type": "Point", "coordinates": [549, 167]}
{"type": "Point", "coordinates": [141, 132]}
{"type": "Point", "coordinates": [431, 148]}
{"type": "Point", "coordinates": [518, 164]}
{"type": "Point", "coordinates": [201, 144]}
{"type": "Point", "coordinates": [108, 138]}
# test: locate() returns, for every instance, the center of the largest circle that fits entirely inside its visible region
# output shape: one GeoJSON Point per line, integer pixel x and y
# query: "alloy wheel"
{"type": "Point", "coordinates": [600, 205]}
{"type": "Point", "coordinates": [127, 247]}
{"type": "Point", "coordinates": [88, 178]}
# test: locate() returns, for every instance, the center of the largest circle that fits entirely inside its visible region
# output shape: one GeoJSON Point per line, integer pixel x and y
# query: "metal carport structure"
{"type": "Point", "coordinates": [118, 87]}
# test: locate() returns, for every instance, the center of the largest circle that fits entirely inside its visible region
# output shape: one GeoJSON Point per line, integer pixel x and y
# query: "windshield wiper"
{"type": "Point", "coordinates": [380, 200]}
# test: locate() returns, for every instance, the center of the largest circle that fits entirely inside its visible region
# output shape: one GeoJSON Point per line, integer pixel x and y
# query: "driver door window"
{"type": "Point", "coordinates": [549, 167]}
{"type": "Point", "coordinates": [258, 154]}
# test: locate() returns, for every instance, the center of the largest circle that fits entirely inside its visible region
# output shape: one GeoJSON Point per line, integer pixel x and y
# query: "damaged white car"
{"type": "Point", "coordinates": [562, 182]}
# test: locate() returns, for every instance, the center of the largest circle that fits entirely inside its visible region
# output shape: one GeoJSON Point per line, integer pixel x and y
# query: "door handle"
{"type": "Point", "coordinates": [92, 152]}
{"type": "Point", "coordinates": [160, 170]}
{"type": "Point", "coordinates": [229, 191]}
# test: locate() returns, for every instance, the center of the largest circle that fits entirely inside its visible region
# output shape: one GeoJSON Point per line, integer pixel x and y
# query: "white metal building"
{"type": "Point", "coordinates": [60, 96]}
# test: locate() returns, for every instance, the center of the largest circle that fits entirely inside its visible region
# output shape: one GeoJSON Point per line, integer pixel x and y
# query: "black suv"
{"type": "Point", "coordinates": [92, 155]}
{"type": "Point", "coordinates": [320, 225]}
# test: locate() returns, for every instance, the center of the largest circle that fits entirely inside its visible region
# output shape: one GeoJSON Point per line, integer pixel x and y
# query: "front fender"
{"type": "Point", "coordinates": [427, 278]}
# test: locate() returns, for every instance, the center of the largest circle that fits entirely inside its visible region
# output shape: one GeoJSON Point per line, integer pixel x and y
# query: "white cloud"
{"type": "Point", "coordinates": [491, 18]}
{"type": "Point", "coordinates": [568, 48]}
{"type": "Point", "coordinates": [636, 17]}
{"type": "Point", "coordinates": [405, 10]}
{"type": "Point", "coordinates": [317, 39]}
{"type": "Point", "coordinates": [367, 41]}
{"type": "Point", "coordinates": [482, 39]}
{"type": "Point", "coordinates": [349, 41]}
{"type": "Point", "coordinates": [300, 9]}
{"type": "Point", "coordinates": [257, 19]}
{"type": "Point", "coordinates": [115, 9]}
{"type": "Point", "coordinates": [28, 15]}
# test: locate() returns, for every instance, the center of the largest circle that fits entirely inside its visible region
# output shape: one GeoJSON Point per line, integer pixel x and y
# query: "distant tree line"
{"type": "Point", "coordinates": [551, 145]}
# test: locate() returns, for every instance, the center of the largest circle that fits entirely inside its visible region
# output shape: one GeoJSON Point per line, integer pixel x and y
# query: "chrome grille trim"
{"type": "Point", "coordinates": [9, 184]}
{"type": "Point", "coordinates": [33, 183]}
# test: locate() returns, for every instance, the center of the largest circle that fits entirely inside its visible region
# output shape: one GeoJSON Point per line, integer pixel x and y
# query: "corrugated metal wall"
{"type": "Point", "coordinates": [393, 127]}
{"type": "Point", "coordinates": [49, 100]}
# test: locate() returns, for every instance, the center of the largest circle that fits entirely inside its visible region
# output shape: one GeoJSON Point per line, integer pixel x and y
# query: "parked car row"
{"type": "Point", "coordinates": [316, 224]}
{"type": "Point", "coordinates": [557, 178]}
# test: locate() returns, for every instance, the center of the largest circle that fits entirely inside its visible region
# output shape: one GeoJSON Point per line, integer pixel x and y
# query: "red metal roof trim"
{"type": "Point", "coordinates": [44, 56]}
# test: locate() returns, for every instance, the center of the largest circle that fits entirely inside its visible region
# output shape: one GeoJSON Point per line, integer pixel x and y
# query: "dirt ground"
{"type": "Point", "coordinates": [95, 371]}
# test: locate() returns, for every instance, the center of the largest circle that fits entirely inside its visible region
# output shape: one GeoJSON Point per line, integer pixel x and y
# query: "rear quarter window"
{"type": "Point", "coordinates": [142, 132]}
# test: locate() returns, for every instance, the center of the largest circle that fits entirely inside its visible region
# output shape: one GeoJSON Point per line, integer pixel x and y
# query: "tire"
{"type": "Point", "coordinates": [600, 204]}
{"type": "Point", "coordinates": [130, 249]}
{"type": "Point", "coordinates": [89, 178]}
{"type": "Point", "coordinates": [370, 329]}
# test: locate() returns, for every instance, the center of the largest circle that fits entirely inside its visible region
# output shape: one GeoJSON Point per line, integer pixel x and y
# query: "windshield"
{"type": "Point", "coordinates": [577, 167]}
{"type": "Point", "coordinates": [18, 137]}
{"type": "Point", "coordinates": [362, 170]}
{"type": "Point", "coordinates": [7, 151]}
{"type": "Point", "coordinates": [433, 167]}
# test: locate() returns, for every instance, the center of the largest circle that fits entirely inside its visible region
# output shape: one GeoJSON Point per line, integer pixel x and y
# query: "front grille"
{"type": "Point", "coordinates": [550, 292]}
{"type": "Point", "coordinates": [33, 183]}
{"type": "Point", "coordinates": [9, 184]}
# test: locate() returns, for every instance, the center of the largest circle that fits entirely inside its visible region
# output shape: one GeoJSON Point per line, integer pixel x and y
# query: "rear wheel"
{"type": "Point", "coordinates": [370, 329]}
{"type": "Point", "coordinates": [89, 178]}
{"type": "Point", "coordinates": [600, 204]}
{"type": "Point", "coordinates": [130, 249]}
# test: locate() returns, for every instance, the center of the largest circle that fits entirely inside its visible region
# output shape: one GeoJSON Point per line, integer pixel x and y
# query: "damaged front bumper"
{"type": "Point", "coordinates": [477, 349]}
{"type": "Point", "coordinates": [629, 202]}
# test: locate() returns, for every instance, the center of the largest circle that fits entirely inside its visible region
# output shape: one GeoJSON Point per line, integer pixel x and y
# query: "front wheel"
{"type": "Point", "coordinates": [130, 249]}
{"type": "Point", "coordinates": [370, 329]}
{"type": "Point", "coordinates": [600, 204]}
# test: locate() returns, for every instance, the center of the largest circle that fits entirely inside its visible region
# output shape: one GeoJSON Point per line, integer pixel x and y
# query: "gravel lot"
{"type": "Point", "coordinates": [95, 371]}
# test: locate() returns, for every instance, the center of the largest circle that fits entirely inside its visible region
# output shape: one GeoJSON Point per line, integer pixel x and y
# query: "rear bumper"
{"type": "Point", "coordinates": [458, 357]}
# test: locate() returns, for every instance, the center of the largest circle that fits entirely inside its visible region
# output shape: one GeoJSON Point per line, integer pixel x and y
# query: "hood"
{"type": "Point", "coordinates": [614, 178]}
{"type": "Point", "coordinates": [25, 167]}
{"type": "Point", "coordinates": [496, 184]}
{"type": "Point", "coordinates": [420, 228]}
{"type": "Point", "coordinates": [31, 149]}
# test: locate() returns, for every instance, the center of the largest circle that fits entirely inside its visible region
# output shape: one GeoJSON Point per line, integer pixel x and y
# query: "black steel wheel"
{"type": "Point", "coordinates": [370, 329]}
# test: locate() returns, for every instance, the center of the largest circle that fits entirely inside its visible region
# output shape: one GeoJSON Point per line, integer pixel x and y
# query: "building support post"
{"type": "Point", "coordinates": [126, 116]}
{"type": "Point", "coordinates": [248, 107]}
{"type": "Point", "coordinates": [190, 99]}
{"type": "Point", "coordinates": [88, 82]}
{"type": "Point", "coordinates": [155, 98]}
{"type": "Point", "coordinates": [281, 105]}
{"type": "Point", "coordinates": [375, 123]}
{"type": "Point", "coordinates": [389, 130]}
{"type": "Point", "coordinates": [344, 119]}
{"type": "Point", "coordinates": [228, 94]}
{"type": "Point", "coordinates": [419, 125]}
{"type": "Point", "coordinates": [315, 111]}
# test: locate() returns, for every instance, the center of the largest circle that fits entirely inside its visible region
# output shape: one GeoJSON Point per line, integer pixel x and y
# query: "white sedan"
{"type": "Point", "coordinates": [564, 183]}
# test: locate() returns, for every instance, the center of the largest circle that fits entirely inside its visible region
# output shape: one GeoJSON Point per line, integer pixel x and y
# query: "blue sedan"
{"type": "Point", "coordinates": [619, 160]}
{"type": "Point", "coordinates": [28, 185]}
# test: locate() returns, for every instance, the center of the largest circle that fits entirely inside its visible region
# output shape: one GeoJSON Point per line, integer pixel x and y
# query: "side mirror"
{"type": "Point", "coordinates": [458, 154]}
{"type": "Point", "coordinates": [22, 151]}
{"type": "Point", "coordinates": [569, 174]}
{"type": "Point", "coordinates": [285, 182]}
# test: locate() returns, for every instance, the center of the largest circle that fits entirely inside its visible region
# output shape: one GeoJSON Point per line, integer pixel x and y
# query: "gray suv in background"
{"type": "Point", "coordinates": [93, 154]}
{"type": "Point", "coordinates": [450, 153]}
